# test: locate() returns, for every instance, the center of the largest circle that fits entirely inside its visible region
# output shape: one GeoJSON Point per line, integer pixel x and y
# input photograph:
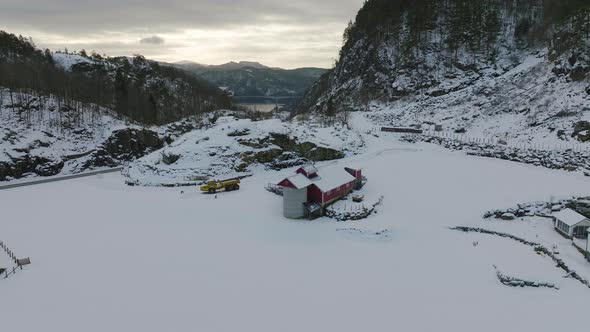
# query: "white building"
{"type": "Point", "coordinates": [571, 224]}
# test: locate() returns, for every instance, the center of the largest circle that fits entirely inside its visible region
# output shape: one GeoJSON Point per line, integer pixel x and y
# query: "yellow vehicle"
{"type": "Point", "coordinates": [226, 185]}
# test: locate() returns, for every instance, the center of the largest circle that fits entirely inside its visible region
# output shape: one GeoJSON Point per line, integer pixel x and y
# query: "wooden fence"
{"type": "Point", "coordinates": [565, 146]}
{"type": "Point", "coordinates": [18, 263]}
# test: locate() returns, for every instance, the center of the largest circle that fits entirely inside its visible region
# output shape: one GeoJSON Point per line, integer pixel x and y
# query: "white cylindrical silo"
{"type": "Point", "coordinates": [293, 203]}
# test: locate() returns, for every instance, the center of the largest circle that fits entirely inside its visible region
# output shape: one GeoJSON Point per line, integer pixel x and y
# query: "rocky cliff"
{"type": "Point", "coordinates": [494, 67]}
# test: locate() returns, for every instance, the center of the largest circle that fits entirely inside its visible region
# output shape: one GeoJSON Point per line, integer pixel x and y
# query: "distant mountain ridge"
{"type": "Point", "coordinates": [246, 78]}
{"type": "Point", "coordinates": [195, 66]}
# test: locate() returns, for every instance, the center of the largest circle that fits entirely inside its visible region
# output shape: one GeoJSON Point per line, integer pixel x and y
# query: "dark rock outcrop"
{"type": "Point", "coordinates": [123, 146]}
{"type": "Point", "coordinates": [323, 154]}
{"type": "Point", "coordinates": [282, 151]}
{"type": "Point", "coordinates": [542, 209]}
{"type": "Point", "coordinates": [174, 130]}
{"type": "Point", "coordinates": [26, 165]}
{"type": "Point", "coordinates": [239, 132]}
{"type": "Point", "coordinates": [461, 131]}
{"type": "Point", "coordinates": [49, 168]}
{"type": "Point", "coordinates": [306, 150]}
{"type": "Point", "coordinates": [582, 131]}
{"type": "Point", "coordinates": [170, 158]}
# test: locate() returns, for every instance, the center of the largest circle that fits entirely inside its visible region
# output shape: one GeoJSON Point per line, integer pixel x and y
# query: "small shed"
{"type": "Point", "coordinates": [571, 224]}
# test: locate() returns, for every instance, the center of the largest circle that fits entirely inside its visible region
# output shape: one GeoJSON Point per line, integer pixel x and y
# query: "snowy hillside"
{"type": "Point", "coordinates": [143, 90]}
{"type": "Point", "coordinates": [41, 137]}
{"type": "Point", "coordinates": [41, 142]}
{"type": "Point", "coordinates": [67, 61]}
{"type": "Point", "coordinates": [528, 104]}
{"type": "Point", "coordinates": [506, 69]}
{"type": "Point", "coordinates": [132, 87]}
{"type": "Point", "coordinates": [233, 148]}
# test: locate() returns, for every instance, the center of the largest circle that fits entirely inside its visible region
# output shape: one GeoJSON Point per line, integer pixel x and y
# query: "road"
{"type": "Point", "coordinates": [59, 178]}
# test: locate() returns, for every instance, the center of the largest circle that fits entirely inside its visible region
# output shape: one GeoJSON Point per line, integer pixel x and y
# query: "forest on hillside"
{"type": "Point", "coordinates": [469, 24]}
{"type": "Point", "coordinates": [134, 87]}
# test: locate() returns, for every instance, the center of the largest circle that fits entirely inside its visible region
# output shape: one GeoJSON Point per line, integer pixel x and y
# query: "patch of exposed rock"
{"type": "Point", "coordinates": [27, 164]}
{"type": "Point", "coordinates": [542, 209]}
{"type": "Point", "coordinates": [282, 151]}
{"type": "Point", "coordinates": [582, 131]}
{"type": "Point", "coordinates": [123, 146]}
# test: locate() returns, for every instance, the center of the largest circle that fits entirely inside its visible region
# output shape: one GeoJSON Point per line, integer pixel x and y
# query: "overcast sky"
{"type": "Point", "coordinates": [283, 33]}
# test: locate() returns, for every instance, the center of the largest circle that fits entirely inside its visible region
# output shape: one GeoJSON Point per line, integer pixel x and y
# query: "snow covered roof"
{"type": "Point", "coordinates": [333, 180]}
{"type": "Point", "coordinates": [329, 180]}
{"type": "Point", "coordinates": [570, 217]}
{"type": "Point", "coordinates": [300, 181]}
{"type": "Point", "coordinates": [309, 169]}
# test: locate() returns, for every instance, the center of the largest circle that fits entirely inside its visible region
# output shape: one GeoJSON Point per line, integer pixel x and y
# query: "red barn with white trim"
{"type": "Point", "coordinates": [307, 192]}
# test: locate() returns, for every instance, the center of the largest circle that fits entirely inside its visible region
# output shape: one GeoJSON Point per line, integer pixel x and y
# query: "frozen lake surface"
{"type": "Point", "coordinates": [265, 108]}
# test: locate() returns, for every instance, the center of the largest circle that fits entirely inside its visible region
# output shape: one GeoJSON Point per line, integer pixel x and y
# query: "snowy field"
{"type": "Point", "coordinates": [107, 257]}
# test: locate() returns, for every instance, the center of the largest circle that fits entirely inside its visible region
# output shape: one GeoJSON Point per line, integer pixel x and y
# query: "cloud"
{"type": "Point", "coordinates": [291, 32]}
{"type": "Point", "coordinates": [153, 40]}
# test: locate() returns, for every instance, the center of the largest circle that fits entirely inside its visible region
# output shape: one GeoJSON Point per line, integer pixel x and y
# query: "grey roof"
{"type": "Point", "coordinates": [570, 217]}
{"type": "Point", "coordinates": [310, 169]}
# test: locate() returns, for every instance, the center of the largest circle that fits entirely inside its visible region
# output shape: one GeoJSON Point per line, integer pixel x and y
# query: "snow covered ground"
{"type": "Point", "coordinates": [107, 257]}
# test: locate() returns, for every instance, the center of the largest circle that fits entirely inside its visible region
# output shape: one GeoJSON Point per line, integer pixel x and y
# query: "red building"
{"type": "Point", "coordinates": [307, 191]}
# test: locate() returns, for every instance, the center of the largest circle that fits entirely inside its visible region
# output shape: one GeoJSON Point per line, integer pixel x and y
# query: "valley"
{"type": "Point", "coordinates": [247, 80]}
{"type": "Point", "coordinates": [436, 177]}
